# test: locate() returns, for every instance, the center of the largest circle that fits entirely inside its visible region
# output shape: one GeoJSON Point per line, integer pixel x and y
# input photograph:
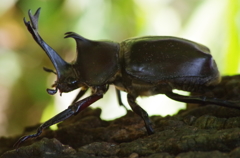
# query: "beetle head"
{"type": "Point", "coordinates": [66, 81]}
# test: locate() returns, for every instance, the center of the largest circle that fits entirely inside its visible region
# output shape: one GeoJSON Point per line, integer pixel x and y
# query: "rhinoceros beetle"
{"type": "Point", "coordinates": [141, 66]}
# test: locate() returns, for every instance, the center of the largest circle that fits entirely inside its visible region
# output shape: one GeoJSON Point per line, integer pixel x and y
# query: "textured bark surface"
{"type": "Point", "coordinates": [200, 131]}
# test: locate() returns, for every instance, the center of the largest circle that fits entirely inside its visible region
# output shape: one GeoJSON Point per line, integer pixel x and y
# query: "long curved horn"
{"type": "Point", "coordinates": [60, 65]}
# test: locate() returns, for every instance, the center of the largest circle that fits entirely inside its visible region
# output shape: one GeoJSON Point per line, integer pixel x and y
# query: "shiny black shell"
{"type": "Point", "coordinates": [152, 60]}
{"type": "Point", "coordinates": [156, 58]}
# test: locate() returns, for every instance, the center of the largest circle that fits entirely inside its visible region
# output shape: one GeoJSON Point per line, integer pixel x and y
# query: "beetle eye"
{"type": "Point", "coordinates": [71, 81]}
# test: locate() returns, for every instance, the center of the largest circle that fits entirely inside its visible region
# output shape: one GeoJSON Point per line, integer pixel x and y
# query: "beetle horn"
{"type": "Point", "coordinates": [75, 36]}
{"type": "Point", "coordinates": [83, 44]}
{"type": "Point", "coordinates": [79, 39]}
{"type": "Point", "coordinates": [60, 65]}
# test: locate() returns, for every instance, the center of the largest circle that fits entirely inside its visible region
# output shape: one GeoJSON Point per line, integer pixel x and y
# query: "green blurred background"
{"type": "Point", "coordinates": [23, 83]}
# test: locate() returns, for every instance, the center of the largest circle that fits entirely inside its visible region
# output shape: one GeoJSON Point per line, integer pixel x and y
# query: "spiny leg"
{"type": "Point", "coordinates": [71, 110]}
{"type": "Point", "coordinates": [203, 100]}
{"type": "Point", "coordinates": [142, 113]}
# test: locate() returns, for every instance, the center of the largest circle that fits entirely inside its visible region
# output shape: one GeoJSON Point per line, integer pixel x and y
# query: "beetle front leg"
{"type": "Point", "coordinates": [203, 100]}
{"type": "Point", "coordinates": [142, 113]}
{"type": "Point", "coordinates": [80, 94]}
{"type": "Point", "coordinates": [71, 110]}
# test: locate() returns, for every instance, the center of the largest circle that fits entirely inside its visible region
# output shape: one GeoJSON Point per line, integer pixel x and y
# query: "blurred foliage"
{"type": "Point", "coordinates": [213, 23]}
{"type": "Point", "coordinates": [233, 38]}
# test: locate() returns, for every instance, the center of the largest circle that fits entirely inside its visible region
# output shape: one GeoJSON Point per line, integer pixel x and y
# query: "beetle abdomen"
{"type": "Point", "coordinates": [158, 58]}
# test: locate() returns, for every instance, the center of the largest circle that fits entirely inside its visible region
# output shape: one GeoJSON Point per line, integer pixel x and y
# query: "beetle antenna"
{"type": "Point", "coordinates": [49, 70]}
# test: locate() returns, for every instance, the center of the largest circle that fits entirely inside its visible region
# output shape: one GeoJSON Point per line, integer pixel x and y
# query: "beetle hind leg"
{"type": "Point", "coordinates": [203, 100]}
{"type": "Point", "coordinates": [142, 113]}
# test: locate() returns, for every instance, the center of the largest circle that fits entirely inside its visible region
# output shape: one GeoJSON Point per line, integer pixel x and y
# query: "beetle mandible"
{"type": "Point", "coordinates": [141, 66]}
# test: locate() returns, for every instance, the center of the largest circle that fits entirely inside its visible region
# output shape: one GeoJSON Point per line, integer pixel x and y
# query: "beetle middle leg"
{"type": "Point", "coordinates": [119, 98]}
{"type": "Point", "coordinates": [71, 110]}
{"type": "Point", "coordinates": [203, 100]}
{"type": "Point", "coordinates": [142, 113]}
